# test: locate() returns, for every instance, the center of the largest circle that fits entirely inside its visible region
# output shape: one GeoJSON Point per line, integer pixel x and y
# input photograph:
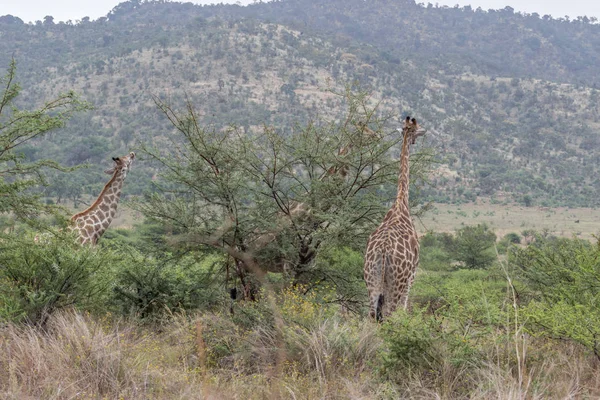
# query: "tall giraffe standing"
{"type": "Point", "coordinates": [91, 223]}
{"type": "Point", "coordinates": [392, 252]}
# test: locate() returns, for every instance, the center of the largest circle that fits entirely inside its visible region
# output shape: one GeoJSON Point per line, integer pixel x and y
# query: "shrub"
{"type": "Point", "coordinates": [564, 280]}
{"type": "Point", "coordinates": [150, 287]}
{"type": "Point", "coordinates": [435, 259]}
{"type": "Point", "coordinates": [513, 238]}
{"type": "Point", "coordinates": [508, 240]}
{"type": "Point", "coordinates": [409, 342]}
{"type": "Point", "coordinates": [473, 246]}
{"type": "Point", "coordinates": [339, 272]}
{"type": "Point", "coordinates": [40, 279]}
{"type": "Point", "coordinates": [436, 249]}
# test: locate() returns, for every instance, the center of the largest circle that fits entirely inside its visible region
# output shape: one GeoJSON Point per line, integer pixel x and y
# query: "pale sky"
{"type": "Point", "coordinates": [63, 10]}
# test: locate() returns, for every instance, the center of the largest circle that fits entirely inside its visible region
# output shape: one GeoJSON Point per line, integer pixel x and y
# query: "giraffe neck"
{"type": "Point", "coordinates": [403, 178]}
{"type": "Point", "coordinates": [92, 222]}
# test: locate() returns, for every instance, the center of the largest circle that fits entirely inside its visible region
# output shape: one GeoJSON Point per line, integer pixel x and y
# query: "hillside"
{"type": "Point", "coordinates": [509, 99]}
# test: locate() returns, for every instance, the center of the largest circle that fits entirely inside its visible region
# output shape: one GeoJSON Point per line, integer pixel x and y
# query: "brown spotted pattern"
{"type": "Point", "coordinates": [93, 222]}
{"type": "Point", "coordinates": [392, 254]}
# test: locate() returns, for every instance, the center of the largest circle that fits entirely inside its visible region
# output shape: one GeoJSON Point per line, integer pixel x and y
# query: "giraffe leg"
{"type": "Point", "coordinates": [412, 271]}
{"type": "Point", "coordinates": [403, 299]}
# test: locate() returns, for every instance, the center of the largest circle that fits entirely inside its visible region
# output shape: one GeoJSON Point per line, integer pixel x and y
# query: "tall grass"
{"type": "Point", "coordinates": [213, 356]}
{"type": "Point", "coordinates": [76, 356]}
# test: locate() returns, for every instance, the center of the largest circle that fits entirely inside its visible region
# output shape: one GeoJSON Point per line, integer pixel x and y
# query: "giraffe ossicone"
{"type": "Point", "coordinates": [91, 224]}
{"type": "Point", "coordinates": [392, 254]}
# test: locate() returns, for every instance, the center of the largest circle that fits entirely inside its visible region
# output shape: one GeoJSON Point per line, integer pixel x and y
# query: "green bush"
{"type": "Point", "coordinates": [474, 246]}
{"type": "Point", "coordinates": [149, 287]}
{"type": "Point", "coordinates": [472, 300]}
{"type": "Point", "coordinates": [436, 249]}
{"type": "Point", "coordinates": [513, 238]}
{"type": "Point", "coordinates": [419, 342]}
{"type": "Point", "coordinates": [508, 240]}
{"type": "Point", "coordinates": [563, 276]}
{"type": "Point", "coordinates": [339, 270]}
{"type": "Point", "coordinates": [38, 279]}
{"type": "Point", "coordinates": [475, 302]}
{"type": "Point", "coordinates": [409, 341]}
{"type": "Point", "coordinates": [434, 259]}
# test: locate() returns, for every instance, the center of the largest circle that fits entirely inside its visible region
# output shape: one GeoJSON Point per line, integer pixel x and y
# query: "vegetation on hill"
{"type": "Point", "coordinates": [510, 99]}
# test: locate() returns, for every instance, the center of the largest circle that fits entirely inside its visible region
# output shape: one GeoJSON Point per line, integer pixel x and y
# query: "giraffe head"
{"type": "Point", "coordinates": [411, 130]}
{"type": "Point", "coordinates": [368, 133]}
{"type": "Point", "coordinates": [122, 165]}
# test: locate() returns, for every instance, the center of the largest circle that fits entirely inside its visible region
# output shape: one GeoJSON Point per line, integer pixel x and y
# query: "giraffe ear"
{"type": "Point", "coordinates": [109, 171]}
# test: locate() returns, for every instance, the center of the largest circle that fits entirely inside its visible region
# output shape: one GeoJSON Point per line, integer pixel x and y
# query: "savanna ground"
{"type": "Point", "coordinates": [560, 221]}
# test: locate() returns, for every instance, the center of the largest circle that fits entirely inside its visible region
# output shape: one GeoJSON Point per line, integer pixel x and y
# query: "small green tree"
{"type": "Point", "coordinates": [473, 246]}
{"type": "Point", "coordinates": [37, 279]}
{"type": "Point", "coordinates": [19, 127]}
{"type": "Point", "coordinates": [436, 249]}
{"type": "Point", "coordinates": [151, 287]}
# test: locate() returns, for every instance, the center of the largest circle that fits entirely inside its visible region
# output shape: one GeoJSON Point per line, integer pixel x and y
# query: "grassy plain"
{"type": "Point", "coordinates": [562, 221]}
{"type": "Point", "coordinates": [583, 223]}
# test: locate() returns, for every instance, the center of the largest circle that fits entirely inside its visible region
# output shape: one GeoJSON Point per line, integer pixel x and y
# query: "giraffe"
{"type": "Point", "coordinates": [392, 252]}
{"type": "Point", "coordinates": [298, 212]}
{"type": "Point", "coordinates": [341, 169]}
{"type": "Point", "coordinates": [91, 223]}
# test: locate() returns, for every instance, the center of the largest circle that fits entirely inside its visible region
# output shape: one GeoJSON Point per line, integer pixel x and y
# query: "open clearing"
{"type": "Point", "coordinates": [562, 221]}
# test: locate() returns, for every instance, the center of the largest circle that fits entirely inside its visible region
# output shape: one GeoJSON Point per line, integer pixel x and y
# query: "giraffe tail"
{"type": "Point", "coordinates": [379, 309]}
{"type": "Point", "coordinates": [384, 262]}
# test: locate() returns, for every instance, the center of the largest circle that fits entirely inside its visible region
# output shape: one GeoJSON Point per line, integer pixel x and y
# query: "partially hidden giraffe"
{"type": "Point", "coordinates": [340, 169]}
{"type": "Point", "coordinates": [392, 254]}
{"type": "Point", "coordinates": [91, 224]}
{"type": "Point", "coordinates": [300, 210]}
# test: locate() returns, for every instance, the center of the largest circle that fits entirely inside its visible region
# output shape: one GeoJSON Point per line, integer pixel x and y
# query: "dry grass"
{"type": "Point", "coordinates": [78, 356]}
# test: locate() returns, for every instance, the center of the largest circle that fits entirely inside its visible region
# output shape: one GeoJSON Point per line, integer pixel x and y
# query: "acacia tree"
{"type": "Point", "coordinates": [474, 245]}
{"type": "Point", "coordinates": [17, 127]}
{"type": "Point", "coordinates": [281, 196]}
